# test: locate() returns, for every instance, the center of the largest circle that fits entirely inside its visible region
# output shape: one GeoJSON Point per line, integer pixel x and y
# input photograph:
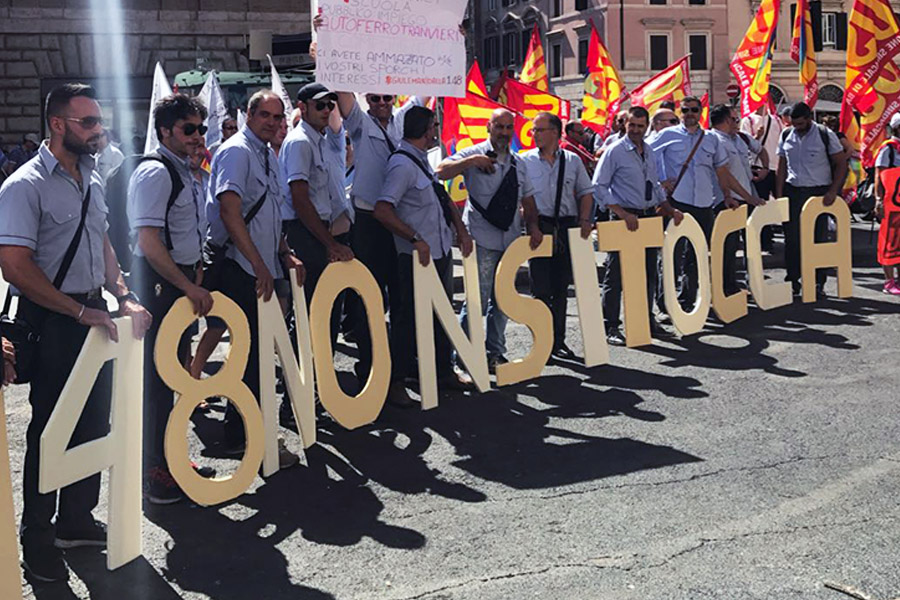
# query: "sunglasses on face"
{"type": "Point", "coordinates": [690, 109]}
{"type": "Point", "coordinates": [323, 105]}
{"type": "Point", "coordinates": [377, 99]}
{"type": "Point", "coordinates": [87, 122]}
{"type": "Point", "coordinates": [191, 129]}
{"type": "Point", "coordinates": [672, 121]}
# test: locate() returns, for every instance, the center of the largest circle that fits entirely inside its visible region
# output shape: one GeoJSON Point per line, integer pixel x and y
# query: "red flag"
{"type": "Point", "coordinates": [603, 88]}
{"type": "Point", "coordinates": [534, 69]}
{"type": "Point", "coordinates": [804, 54]}
{"type": "Point", "coordinates": [475, 81]}
{"type": "Point", "coordinates": [752, 62]}
{"type": "Point", "coordinates": [704, 111]}
{"type": "Point", "coordinates": [529, 101]}
{"type": "Point", "coordinates": [674, 83]}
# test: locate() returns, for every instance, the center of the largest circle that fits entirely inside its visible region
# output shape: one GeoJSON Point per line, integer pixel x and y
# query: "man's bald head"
{"type": "Point", "coordinates": [501, 127]}
{"type": "Point", "coordinates": [664, 118]}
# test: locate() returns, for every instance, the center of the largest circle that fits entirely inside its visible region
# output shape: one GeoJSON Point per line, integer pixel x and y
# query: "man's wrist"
{"type": "Point", "coordinates": [128, 296]}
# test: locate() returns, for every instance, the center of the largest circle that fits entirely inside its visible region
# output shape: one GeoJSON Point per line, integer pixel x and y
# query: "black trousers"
{"type": "Point", "coordinates": [797, 197]}
{"type": "Point", "coordinates": [61, 341]}
{"type": "Point", "coordinates": [158, 296]}
{"type": "Point", "coordinates": [240, 287]}
{"type": "Point", "coordinates": [764, 189]}
{"type": "Point", "coordinates": [686, 274]}
{"type": "Point", "coordinates": [729, 256]}
{"type": "Point", "coordinates": [612, 283]}
{"type": "Point", "coordinates": [551, 277]}
{"type": "Point", "coordinates": [374, 246]}
{"type": "Point", "coordinates": [403, 316]}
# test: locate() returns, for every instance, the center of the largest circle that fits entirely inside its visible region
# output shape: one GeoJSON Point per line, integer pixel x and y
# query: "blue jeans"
{"type": "Point", "coordinates": [496, 320]}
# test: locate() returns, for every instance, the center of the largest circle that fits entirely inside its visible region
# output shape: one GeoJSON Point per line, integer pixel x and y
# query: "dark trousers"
{"type": "Point", "coordinates": [374, 246]}
{"type": "Point", "coordinates": [61, 341]}
{"type": "Point", "coordinates": [729, 256]}
{"type": "Point", "coordinates": [686, 274]}
{"type": "Point", "coordinates": [158, 296]}
{"type": "Point", "coordinates": [314, 255]}
{"type": "Point", "coordinates": [403, 319]}
{"type": "Point", "coordinates": [240, 287]}
{"type": "Point", "coordinates": [797, 197]}
{"type": "Point", "coordinates": [612, 283]}
{"type": "Point", "coordinates": [764, 189]}
{"type": "Point", "coordinates": [551, 277]}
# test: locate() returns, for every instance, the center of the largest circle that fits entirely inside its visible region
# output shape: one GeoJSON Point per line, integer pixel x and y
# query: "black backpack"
{"type": "Point", "coordinates": [117, 201]}
{"type": "Point", "coordinates": [823, 132]}
{"type": "Point", "coordinates": [501, 210]}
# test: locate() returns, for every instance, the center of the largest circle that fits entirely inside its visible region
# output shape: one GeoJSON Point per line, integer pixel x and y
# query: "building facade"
{"type": "Point", "coordinates": [47, 42]}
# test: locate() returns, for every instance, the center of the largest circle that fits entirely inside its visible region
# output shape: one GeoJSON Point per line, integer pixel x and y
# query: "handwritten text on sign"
{"type": "Point", "coordinates": [392, 46]}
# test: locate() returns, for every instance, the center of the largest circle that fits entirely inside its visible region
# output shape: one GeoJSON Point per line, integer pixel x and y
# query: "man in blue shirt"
{"type": "Point", "coordinates": [422, 223]}
{"type": "Point", "coordinates": [626, 184]}
{"type": "Point", "coordinates": [808, 166]}
{"type": "Point", "coordinates": [691, 161]}
{"type": "Point", "coordinates": [168, 252]}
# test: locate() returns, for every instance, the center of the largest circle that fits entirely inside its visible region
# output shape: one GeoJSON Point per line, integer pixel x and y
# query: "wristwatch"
{"type": "Point", "coordinates": [416, 237]}
{"type": "Point", "coordinates": [129, 296]}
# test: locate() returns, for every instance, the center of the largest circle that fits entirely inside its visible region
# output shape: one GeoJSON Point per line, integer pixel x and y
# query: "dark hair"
{"type": "Point", "coordinates": [687, 99]}
{"type": "Point", "coordinates": [257, 98]}
{"type": "Point", "coordinates": [801, 110]}
{"type": "Point", "coordinates": [571, 125]}
{"type": "Point", "coordinates": [416, 122]}
{"type": "Point", "coordinates": [639, 112]}
{"type": "Point", "coordinates": [670, 104]}
{"type": "Point", "coordinates": [59, 97]}
{"type": "Point", "coordinates": [174, 108]}
{"type": "Point", "coordinates": [831, 122]}
{"type": "Point", "coordinates": [555, 122]}
{"type": "Point", "coordinates": [718, 114]}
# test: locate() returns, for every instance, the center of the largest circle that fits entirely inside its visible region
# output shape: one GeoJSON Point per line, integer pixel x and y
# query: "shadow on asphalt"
{"type": "Point", "coordinates": [135, 581]}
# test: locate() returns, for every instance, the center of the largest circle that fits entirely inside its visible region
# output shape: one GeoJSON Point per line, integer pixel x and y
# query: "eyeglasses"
{"type": "Point", "coordinates": [672, 121]}
{"type": "Point", "coordinates": [377, 99]}
{"type": "Point", "coordinates": [542, 129]}
{"type": "Point", "coordinates": [323, 105]}
{"type": "Point", "coordinates": [87, 122]}
{"type": "Point", "coordinates": [229, 127]}
{"type": "Point", "coordinates": [690, 109]}
{"type": "Point", "coordinates": [191, 128]}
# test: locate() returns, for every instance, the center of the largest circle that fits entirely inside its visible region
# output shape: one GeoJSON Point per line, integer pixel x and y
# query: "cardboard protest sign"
{"type": "Point", "coordinates": [395, 47]}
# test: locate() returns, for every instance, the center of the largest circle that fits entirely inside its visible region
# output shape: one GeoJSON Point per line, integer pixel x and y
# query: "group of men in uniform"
{"type": "Point", "coordinates": [260, 215]}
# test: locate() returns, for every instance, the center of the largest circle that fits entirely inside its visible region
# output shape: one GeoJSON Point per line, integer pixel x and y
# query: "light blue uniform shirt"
{"type": "Point", "coordinates": [883, 159]}
{"type": "Point", "coordinates": [371, 150]}
{"type": "Point", "coordinates": [673, 145]}
{"type": "Point", "coordinates": [335, 153]}
{"type": "Point", "coordinates": [148, 195]}
{"type": "Point", "coordinates": [807, 160]}
{"type": "Point", "coordinates": [739, 157]}
{"type": "Point", "coordinates": [622, 175]}
{"type": "Point", "coordinates": [302, 159]}
{"type": "Point", "coordinates": [543, 178]}
{"type": "Point", "coordinates": [481, 187]}
{"type": "Point", "coordinates": [411, 194]}
{"type": "Point", "coordinates": [240, 167]}
{"type": "Point", "coordinates": [40, 208]}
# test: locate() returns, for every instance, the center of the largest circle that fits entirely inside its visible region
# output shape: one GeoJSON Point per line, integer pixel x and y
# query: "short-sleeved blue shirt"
{"type": "Point", "coordinates": [622, 176]}
{"type": "Point", "coordinates": [543, 177]}
{"type": "Point", "coordinates": [673, 145]}
{"type": "Point", "coordinates": [807, 158]}
{"type": "Point", "coordinates": [302, 159]}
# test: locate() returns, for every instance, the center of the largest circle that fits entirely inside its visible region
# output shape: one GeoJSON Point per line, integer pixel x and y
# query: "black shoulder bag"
{"type": "Point", "coordinates": [559, 244]}
{"type": "Point", "coordinates": [26, 334]}
{"type": "Point", "coordinates": [501, 210]}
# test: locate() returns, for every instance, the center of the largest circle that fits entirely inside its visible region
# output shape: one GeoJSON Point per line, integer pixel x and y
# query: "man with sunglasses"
{"type": "Point", "coordinates": [375, 135]}
{"type": "Point", "coordinates": [246, 185]}
{"type": "Point", "coordinates": [310, 198]}
{"type": "Point", "coordinates": [691, 161]}
{"type": "Point", "coordinates": [54, 250]}
{"type": "Point", "coordinates": [169, 235]}
{"type": "Point", "coordinates": [662, 119]}
{"type": "Point", "coordinates": [229, 128]}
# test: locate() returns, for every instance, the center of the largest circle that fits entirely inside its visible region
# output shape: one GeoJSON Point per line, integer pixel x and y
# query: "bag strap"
{"type": "Point", "coordinates": [768, 127]}
{"type": "Point", "coordinates": [177, 187]}
{"type": "Point", "coordinates": [560, 180]}
{"type": "Point", "coordinates": [73, 245]}
{"type": "Point", "coordinates": [443, 199]}
{"type": "Point", "coordinates": [259, 203]}
{"type": "Point", "coordinates": [387, 138]}
{"type": "Point", "coordinates": [687, 163]}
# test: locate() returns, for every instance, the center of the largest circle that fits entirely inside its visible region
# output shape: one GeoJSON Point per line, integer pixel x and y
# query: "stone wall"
{"type": "Point", "coordinates": [53, 39]}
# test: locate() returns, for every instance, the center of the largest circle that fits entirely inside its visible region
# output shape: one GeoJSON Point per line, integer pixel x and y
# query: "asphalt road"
{"type": "Point", "coordinates": [755, 460]}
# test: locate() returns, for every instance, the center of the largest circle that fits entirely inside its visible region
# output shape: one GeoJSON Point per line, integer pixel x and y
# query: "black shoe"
{"type": "Point", "coordinates": [160, 487]}
{"type": "Point", "coordinates": [562, 351]}
{"type": "Point", "coordinates": [657, 330]}
{"type": "Point", "coordinates": [92, 533]}
{"type": "Point", "coordinates": [494, 360]}
{"type": "Point", "coordinates": [820, 291]}
{"type": "Point", "coordinates": [796, 288]}
{"type": "Point", "coordinates": [614, 337]}
{"type": "Point", "coordinates": [459, 381]}
{"type": "Point", "coordinates": [398, 396]}
{"type": "Point", "coordinates": [44, 564]}
{"type": "Point", "coordinates": [204, 472]}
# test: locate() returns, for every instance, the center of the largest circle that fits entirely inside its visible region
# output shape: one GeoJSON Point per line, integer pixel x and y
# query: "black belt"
{"type": "Point", "coordinates": [562, 220]}
{"type": "Point", "coordinates": [364, 211]}
{"type": "Point", "coordinates": [645, 212]}
{"type": "Point", "coordinates": [87, 296]}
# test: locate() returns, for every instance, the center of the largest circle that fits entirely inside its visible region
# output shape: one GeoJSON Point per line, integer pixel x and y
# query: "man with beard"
{"type": "Point", "coordinates": [169, 235]}
{"type": "Point", "coordinates": [491, 171]}
{"type": "Point", "coordinates": [54, 250]}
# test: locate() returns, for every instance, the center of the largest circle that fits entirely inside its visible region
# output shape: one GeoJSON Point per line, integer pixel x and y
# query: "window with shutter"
{"type": "Point", "coordinates": [841, 32]}
{"type": "Point", "coordinates": [659, 52]}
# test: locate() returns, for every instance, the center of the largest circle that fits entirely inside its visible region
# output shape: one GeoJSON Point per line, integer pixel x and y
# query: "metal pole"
{"type": "Point", "coordinates": [622, 34]}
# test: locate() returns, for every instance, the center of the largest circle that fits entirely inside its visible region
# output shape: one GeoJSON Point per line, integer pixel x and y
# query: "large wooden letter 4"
{"type": "Point", "coordinates": [733, 307]}
{"type": "Point", "coordinates": [825, 254]}
{"type": "Point", "coordinates": [227, 383]}
{"type": "Point", "coordinates": [613, 236]}
{"type": "Point", "coordinates": [531, 312]}
{"type": "Point", "coordinates": [431, 299]}
{"type": "Point", "coordinates": [686, 323]}
{"type": "Point", "coordinates": [120, 451]}
{"type": "Point", "coordinates": [766, 295]}
{"type": "Point", "coordinates": [350, 411]}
